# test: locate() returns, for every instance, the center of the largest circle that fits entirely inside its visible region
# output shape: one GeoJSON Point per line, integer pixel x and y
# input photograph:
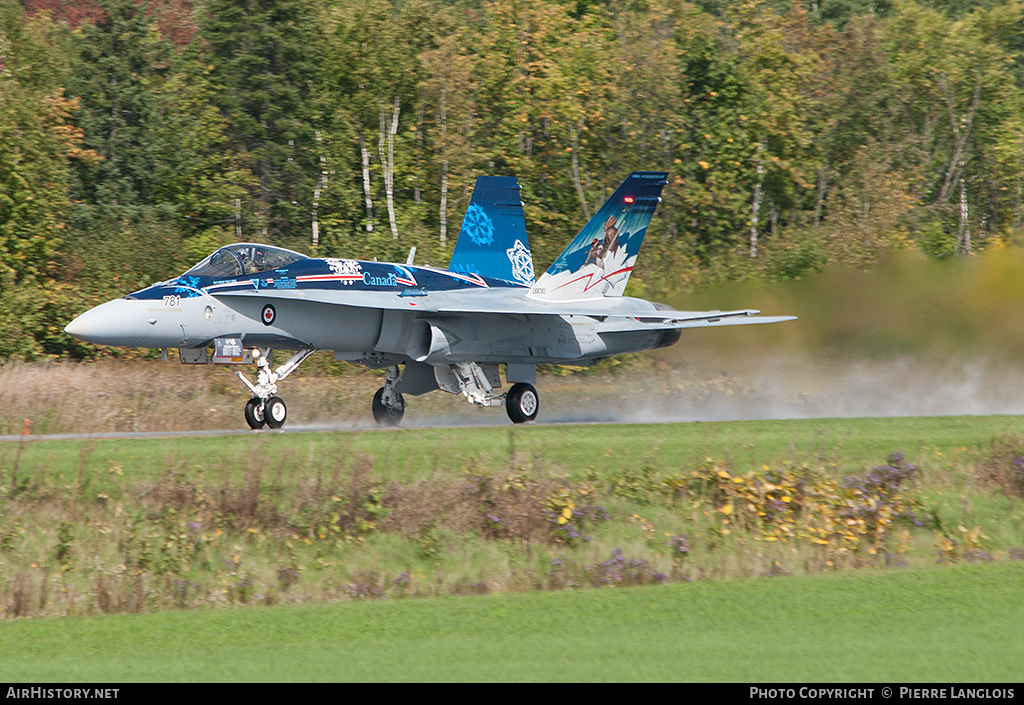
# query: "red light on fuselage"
{"type": "Point", "coordinates": [629, 199]}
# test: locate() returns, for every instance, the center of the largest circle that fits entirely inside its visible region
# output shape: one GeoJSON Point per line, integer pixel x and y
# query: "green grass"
{"type": "Point", "coordinates": [947, 624]}
{"type": "Point", "coordinates": [408, 454]}
{"type": "Point", "coordinates": [135, 520]}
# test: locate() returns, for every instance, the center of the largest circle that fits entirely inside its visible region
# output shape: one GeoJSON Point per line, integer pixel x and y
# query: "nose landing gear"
{"type": "Point", "coordinates": [265, 407]}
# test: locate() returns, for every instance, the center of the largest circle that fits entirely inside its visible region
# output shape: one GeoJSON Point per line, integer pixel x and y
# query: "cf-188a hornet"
{"type": "Point", "coordinates": [430, 328]}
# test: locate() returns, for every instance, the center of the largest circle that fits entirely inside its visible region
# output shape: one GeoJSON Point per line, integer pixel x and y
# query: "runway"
{"type": "Point", "coordinates": [445, 424]}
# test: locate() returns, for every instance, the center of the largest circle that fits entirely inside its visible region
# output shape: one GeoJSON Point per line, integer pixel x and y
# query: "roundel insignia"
{"type": "Point", "coordinates": [269, 314]}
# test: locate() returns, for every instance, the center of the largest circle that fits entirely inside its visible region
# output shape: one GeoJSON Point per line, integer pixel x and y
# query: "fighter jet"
{"type": "Point", "coordinates": [431, 329]}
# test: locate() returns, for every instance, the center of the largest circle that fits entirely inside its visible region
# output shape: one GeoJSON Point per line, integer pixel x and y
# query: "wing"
{"type": "Point", "coordinates": [628, 314]}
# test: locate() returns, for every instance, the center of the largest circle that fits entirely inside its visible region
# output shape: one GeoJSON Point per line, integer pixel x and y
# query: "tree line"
{"type": "Point", "coordinates": [136, 137]}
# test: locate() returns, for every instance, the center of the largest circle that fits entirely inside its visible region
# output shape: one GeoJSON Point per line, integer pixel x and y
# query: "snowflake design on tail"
{"type": "Point", "coordinates": [478, 225]}
{"type": "Point", "coordinates": [522, 262]}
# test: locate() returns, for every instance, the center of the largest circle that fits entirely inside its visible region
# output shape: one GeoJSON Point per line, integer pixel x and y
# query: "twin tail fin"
{"type": "Point", "coordinates": [598, 262]}
{"type": "Point", "coordinates": [493, 241]}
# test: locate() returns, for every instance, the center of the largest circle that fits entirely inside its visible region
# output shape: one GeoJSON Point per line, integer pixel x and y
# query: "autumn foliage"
{"type": "Point", "coordinates": [137, 136]}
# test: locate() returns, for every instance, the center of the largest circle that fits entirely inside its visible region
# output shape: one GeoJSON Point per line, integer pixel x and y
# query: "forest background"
{"type": "Point", "coordinates": [136, 137]}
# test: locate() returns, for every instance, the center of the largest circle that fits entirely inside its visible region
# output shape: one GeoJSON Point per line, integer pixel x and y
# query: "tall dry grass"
{"type": "Point", "coordinates": [133, 395]}
{"type": "Point", "coordinates": [150, 395]}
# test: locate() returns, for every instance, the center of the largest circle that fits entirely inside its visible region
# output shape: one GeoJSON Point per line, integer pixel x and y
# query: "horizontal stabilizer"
{"type": "Point", "coordinates": [710, 321]}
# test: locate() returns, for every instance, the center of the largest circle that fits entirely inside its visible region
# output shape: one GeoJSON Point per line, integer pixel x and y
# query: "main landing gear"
{"type": "Point", "coordinates": [266, 408]}
{"type": "Point", "coordinates": [474, 381]}
{"type": "Point", "coordinates": [389, 405]}
{"type": "Point", "coordinates": [478, 383]}
{"type": "Point", "coordinates": [522, 402]}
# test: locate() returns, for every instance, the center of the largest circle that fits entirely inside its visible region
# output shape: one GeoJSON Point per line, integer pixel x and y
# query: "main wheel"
{"type": "Point", "coordinates": [522, 403]}
{"type": "Point", "coordinates": [385, 415]}
{"type": "Point", "coordinates": [275, 411]}
{"type": "Point", "coordinates": [254, 413]}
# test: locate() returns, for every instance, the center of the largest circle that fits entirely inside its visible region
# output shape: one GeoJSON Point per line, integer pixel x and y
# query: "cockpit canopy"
{"type": "Point", "coordinates": [244, 258]}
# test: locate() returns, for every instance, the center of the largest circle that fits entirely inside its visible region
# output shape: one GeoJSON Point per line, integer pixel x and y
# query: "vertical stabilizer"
{"type": "Point", "coordinates": [493, 242]}
{"type": "Point", "coordinates": [599, 260]}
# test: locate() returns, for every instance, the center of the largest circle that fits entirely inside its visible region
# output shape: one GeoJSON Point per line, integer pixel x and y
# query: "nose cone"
{"type": "Point", "coordinates": [79, 328]}
{"type": "Point", "coordinates": [121, 322]}
{"type": "Point", "coordinates": [103, 325]}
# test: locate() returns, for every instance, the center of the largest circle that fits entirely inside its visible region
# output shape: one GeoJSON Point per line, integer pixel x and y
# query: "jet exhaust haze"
{"type": "Point", "coordinates": [910, 337]}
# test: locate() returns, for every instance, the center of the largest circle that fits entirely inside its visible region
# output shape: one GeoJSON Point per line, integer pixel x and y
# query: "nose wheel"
{"type": "Point", "coordinates": [271, 413]}
{"type": "Point", "coordinates": [254, 414]}
{"type": "Point", "coordinates": [275, 412]}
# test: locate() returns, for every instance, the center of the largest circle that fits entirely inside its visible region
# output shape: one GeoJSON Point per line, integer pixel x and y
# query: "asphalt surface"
{"type": "Point", "coordinates": [336, 428]}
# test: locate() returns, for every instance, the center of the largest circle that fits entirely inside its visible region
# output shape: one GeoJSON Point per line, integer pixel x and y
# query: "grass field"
{"type": "Point", "coordinates": [414, 453]}
{"type": "Point", "coordinates": [952, 624]}
{"type": "Point", "coordinates": [760, 551]}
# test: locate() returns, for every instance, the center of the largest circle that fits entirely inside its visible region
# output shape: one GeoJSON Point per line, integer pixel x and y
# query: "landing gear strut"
{"type": "Point", "coordinates": [478, 382]}
{"type": "Point", "coordinates": [389, 405]}
{"type": "Point", "coordinates": [265, 407]}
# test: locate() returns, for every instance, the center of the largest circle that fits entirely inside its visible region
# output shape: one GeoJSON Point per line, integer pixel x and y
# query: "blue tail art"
{"type": "Point", "coordinates": [598, 262]}
{"type": "Point", "coordinates": [493, 242]}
